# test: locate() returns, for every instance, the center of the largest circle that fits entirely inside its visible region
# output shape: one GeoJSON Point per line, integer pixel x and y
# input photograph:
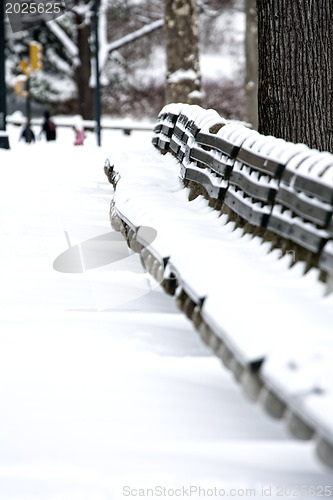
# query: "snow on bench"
{"type": "Point", "coordinates": [238, 227]}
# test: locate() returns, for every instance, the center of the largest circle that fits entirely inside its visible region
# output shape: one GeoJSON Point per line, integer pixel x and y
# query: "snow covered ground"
{"type": "Point", "coordinates": [106, 390]}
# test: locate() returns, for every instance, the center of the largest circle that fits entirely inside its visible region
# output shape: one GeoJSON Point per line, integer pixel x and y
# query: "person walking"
{"type": "Point", "coordinates": [80, 134]}
{"type": "Point", "coordinates": [48, 127]}
{"type": "Point", "coordinates": [27, 134]}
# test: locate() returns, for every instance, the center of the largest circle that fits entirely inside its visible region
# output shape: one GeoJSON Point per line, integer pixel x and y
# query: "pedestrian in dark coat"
{"type": "Point", "coordinates": [27, 134]}
{"type": "Point", "coordinates": [48, 127]}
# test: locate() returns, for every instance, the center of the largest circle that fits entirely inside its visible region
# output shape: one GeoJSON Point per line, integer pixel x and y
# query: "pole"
{"type": "Point", "coordinates": [4, 141]}
{"type": "Point", "coordinates": [97, 88]}
{"type": "Point", "coordinates": [28, 137]}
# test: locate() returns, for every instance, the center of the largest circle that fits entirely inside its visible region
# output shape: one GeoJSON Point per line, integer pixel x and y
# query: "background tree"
{"type": "Point", "coordinates": [251, 63]}
{"type": "Point", "coordinates": [295, 71]}
{"type": "Point", "coordinates": [132, 58]}
{"type": "Point", "coordinates": [66, 83]}
{"type": "Point", "coordinates": [83, 70]}
{"type": "Point", "coordinates": [54, 84]}
{"type": "Point", "coordinates": [183, 79]}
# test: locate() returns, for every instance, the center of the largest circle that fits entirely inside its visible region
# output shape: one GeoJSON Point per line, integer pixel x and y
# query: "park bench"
{"type": "Point", "coordinates": [252, 203]}
{"type": "Point", "coordinates": [262, 180]}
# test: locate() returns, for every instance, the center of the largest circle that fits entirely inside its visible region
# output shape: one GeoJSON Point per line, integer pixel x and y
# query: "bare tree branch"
{"type": "Point", "coordinates": [131, 37]}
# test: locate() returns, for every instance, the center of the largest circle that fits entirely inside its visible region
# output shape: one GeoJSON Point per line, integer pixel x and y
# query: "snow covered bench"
{"type": "Point", "coordinates": [230, 271]}
{"type": "Point", "coordinates": [284, 188]}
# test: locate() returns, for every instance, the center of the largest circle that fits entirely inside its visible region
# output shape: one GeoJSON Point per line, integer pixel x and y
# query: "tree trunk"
{"type": "Point", "coordinates": [251, 56]}
{"type": "Point", "coordinates": [83, 72]}
{"type": "Point", "coordinates": [295, 71]}
{"type": "Point", "coordinates": [183, 81]}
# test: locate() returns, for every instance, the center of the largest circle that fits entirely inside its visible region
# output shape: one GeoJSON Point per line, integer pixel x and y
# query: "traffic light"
{"type": "Point", "coordinates": [25, 67]}
{"type": "Point", "coordinates": [20, 86]}
{"type": "Point", "coordinates": [36, 55]}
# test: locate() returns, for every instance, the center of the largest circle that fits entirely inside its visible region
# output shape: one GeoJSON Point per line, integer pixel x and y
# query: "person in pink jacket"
{"type": "Point", "coordinates": [80, 134]}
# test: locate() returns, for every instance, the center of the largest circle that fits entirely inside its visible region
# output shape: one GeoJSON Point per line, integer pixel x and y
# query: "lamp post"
{"type": "Point", "coordinates": [97, 83]}
{"type": "Point", "coordinates": [4, 141]}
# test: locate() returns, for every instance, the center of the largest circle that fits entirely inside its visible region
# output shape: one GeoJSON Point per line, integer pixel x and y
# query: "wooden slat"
{"type": "Point", "coordinates": [217, 143]}
{"type": "Point", "coordinates": [179, 133]}
{"type": "Point", "coordinates": [306, 208]}
{"type": "Point", "coordinates": [252, 188]}
{"type": "Point", "coordinates": [261, 163]}
{"type": "Point", "coordinates": [199, 176]}
{"type": "Point", "coordinates": [253, 214]}
{"type": "Point", "coordinates": [326, 258]}
{"type": "Point", "coordinates": [315, 187]}
{"type": "Point", "coordinates": [307, 235]}
{"type": "Point", "coordinates": [311, 186]}
{"type": "Point", "coordinates": [205, 157]}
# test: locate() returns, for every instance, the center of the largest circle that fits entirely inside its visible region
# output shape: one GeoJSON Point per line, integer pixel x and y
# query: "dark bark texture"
{"type": "Point", "coordinates": [83, 71]}
{"type": "Point", "coordinates": [182, 48]}
{"type": "Point", "coordinates": [251, 57]}
{"type": "Point", "coordinates": [295, 71]}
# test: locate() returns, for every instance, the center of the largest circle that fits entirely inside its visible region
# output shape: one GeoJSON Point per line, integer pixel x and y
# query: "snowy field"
{"type": "Point", "coordinates": [106, 390]}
